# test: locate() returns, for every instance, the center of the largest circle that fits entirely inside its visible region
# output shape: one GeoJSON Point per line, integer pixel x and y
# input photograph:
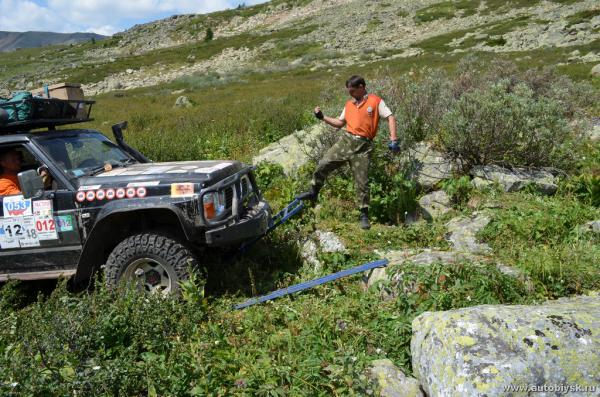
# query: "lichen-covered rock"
{"type": "Point", "coordinates": [320, 242]}
{"type": "Point", "coordinates": [593, 227]}
{"type": "Point", "coordinates": [292, 151]}
{"type": "Point", "coordinates": [481, 350]}
{"type": "Point", "coordinates": [462, 233]}
{"type": "Point", "coordinates": [434, 205]}
{"type": "Point", "coordinates": [430, 166]}
{"type": "Point", "coordinates": [390, 381]}
{"type": "Point", "coordinates": [183, 102]}
{"type": "Point", "coordinates": [595, 72]}
{"type": "Point", "coordinates": [515, 179]}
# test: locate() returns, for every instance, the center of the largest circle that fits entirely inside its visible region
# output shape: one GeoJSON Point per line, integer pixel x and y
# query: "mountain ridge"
{"type": "Point", "coordinates": [10, 41]}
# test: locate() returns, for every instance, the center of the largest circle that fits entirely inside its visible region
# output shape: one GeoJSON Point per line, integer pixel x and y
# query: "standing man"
{"type": "Point", "coordinates": [361, 117]}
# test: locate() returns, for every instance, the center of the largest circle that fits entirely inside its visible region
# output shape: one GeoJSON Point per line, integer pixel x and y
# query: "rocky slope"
{"type": "Point", "coordinates": [324, 34]}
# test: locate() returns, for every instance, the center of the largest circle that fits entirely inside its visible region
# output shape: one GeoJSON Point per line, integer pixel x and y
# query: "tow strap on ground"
{"type": "Point", "coordinates": [282, 216]}
{"type": "Point", "coordinates": [312, 283]}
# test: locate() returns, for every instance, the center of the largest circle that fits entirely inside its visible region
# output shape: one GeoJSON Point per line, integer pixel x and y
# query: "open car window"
{"type": "Point", "coordinates": [79, 154]}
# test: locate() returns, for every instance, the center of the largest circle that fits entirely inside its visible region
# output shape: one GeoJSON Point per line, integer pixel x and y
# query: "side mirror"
{"type": "Point", "coordinates": [31, 184]}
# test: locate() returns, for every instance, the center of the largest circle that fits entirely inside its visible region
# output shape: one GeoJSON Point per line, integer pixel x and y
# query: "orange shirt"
{"type": "Point", "coordinates": [363, 119]}
{"type": "Point", "coordinates": [9, 184]}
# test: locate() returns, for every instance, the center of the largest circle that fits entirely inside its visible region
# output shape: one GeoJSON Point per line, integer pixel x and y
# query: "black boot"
{"type": "Point", "coordinates": [364, 219]}
{"type": "Point", "coordinates": [311, 195]}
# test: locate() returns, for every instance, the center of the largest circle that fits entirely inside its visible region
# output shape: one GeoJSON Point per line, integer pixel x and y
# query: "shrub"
{"type": "Point", "coordinates": [459, 190]}
{"type": "Point", "coordinates": [586, 188]}
{"type": "Point", "coordinates": [507, 127]}
{"type": "Point", "coordinates": [418, 101]}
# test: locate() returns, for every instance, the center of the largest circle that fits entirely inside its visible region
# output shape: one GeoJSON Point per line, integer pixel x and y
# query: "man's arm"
{"type": "Point", "coordinates": [337, 123]}
{"type": "Point", "coordinates": [393, 128]}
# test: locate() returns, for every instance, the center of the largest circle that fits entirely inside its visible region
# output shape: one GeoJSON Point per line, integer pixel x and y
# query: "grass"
{"type": "Point", "coordinates": [582, 17]}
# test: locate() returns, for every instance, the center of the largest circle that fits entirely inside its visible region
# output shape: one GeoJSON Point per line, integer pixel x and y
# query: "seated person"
{"type": "Point", "coordinates": [10, 161]}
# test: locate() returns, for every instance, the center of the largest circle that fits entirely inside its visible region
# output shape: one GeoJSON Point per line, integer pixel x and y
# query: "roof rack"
{"type": "Point", "coordinates": [33, 113]}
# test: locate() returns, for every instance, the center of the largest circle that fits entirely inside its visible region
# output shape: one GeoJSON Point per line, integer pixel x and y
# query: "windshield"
{"type": "Point", "coordinates": [83, 153]}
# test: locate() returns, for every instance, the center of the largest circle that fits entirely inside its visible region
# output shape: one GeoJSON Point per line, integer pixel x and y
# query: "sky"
{"type": "Point", "coordinates": [98, 16]}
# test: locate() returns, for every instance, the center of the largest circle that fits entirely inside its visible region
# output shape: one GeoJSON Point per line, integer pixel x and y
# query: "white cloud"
{"type": "Point", "coordinates": [100, 16]}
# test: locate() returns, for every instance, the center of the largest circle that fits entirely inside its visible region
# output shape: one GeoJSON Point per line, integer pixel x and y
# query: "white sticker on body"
{"type": "Point", "coordinates": [143, 184]}
{"type": "Point", "coordinates": [90, 187]}
{"type": "Point", "coordinates": [208, 170]}
{"type": "Point", "coordinates": [42, 207]}
{"type": "Point", "coordinates": [45, 227]}
{"type": "Point", "coordinates": [16, 206]}
{"type": "Point", "coordinates": [19, 232]}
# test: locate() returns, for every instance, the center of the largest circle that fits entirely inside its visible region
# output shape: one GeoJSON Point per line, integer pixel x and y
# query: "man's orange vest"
{"type": "Point", "coordinates": [363, 119]}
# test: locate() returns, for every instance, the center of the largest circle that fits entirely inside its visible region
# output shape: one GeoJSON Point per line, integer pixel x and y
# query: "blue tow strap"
{"type": "Point", "coordinates": [312, 283]}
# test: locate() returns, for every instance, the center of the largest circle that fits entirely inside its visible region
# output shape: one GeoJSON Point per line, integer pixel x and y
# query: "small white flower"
{"type": "Point", "coordinates": [354, 359]}
{"type": "Point", "coordinates": [96, 367]}
{"type": "Point", "coordinates": [469, 298]}
{"type": "Point", "coordinates": [378, 351]}
{"type": "Point", "coordinates": [14, 384]}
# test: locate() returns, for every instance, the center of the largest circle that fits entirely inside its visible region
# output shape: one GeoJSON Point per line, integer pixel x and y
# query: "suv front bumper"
{"type": "Point", "coordinates": [254, 224]}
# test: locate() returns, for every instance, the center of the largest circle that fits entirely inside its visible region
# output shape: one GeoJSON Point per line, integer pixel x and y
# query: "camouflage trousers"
{"type": "Point", "coordinates": [352, 150]}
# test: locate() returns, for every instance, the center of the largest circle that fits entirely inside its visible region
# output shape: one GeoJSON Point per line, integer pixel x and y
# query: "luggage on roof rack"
{"type": "Point", "coordinates": [27, 113]}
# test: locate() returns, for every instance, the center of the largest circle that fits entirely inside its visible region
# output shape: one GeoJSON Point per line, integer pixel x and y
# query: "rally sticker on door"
{"type": "Point", "coordinates": [45, 226]}
{"type": "Point", "coordinates": [19, 233]}
{"type": "Point", "coordinates": [16, 206]}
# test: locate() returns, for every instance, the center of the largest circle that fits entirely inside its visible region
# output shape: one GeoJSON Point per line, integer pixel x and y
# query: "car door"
{"type": "Point", "coordinates": [40, 236]}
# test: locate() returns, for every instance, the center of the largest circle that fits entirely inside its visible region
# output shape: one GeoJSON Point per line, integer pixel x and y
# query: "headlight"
{"type": "Point", "coordinates": [214, 204]}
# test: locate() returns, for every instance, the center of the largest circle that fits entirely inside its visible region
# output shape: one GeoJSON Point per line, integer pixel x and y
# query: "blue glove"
{"type": "Point", "coordinates": [394, 147]}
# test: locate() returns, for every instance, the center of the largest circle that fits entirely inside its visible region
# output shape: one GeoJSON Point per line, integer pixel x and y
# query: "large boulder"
{"type": "Point", "coordinates": [484, 350]}
{"type": "Point", "coordinates": [434, 205]}
{"type": "Point", "coordinates": [592, 227]}
{"type": "Point", "coordinates": [429, 166]}
{"type": "Point", "coordinates": [390, 381]}
{"type": "Point", "coordinates": [595, 72]}
{"type": "Point", "coordinates": [292, 151]}
{"type": "Point", "coordinates": [515, 179]}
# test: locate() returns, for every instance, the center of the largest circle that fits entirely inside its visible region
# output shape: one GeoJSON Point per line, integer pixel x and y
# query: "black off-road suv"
{"type": "Point", "coordinates": [87, 202]}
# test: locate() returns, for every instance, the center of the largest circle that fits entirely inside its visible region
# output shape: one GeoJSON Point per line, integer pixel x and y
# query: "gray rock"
{"type": "Point", "coordinates": [481, 350]}
{"type": "Point", "coordinates": [462, 233]}
{"type": "Point", "coordinates": [114, 85]}
{"type": "Point", "coordinates": [434, 205]}
{"type": "Point", "coordinates": [595, 72]}
{"type": "Point", "coordinates": [390, 381]}
{"type": "Point", "coordinates": [183, 102]}
{"type": "Point", "coordinates": [592, 227]}
{"type": "Point", "coordinates": [428, 257]}
{"type": "Point", "coordinates": [329, 242]}
{"type": "Point", "coordinates": [430, 166]}
{"type": "Point", "coordinates": [320, 242]}
{"type": "Point", "coordinates": [292, 151]}
{"type": "Point", "coordinates": [515, 179]}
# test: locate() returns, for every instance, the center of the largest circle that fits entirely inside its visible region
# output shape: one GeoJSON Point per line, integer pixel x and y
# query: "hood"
{"type": "Point", "coordinates": [204, 172]}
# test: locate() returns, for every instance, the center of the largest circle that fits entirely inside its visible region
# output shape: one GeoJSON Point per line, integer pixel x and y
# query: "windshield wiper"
{"type": "Point", "coordinates": [96, 170]}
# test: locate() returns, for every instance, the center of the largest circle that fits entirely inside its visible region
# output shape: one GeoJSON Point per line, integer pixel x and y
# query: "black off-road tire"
{"type": "Point", "coordinates": [176, 259]}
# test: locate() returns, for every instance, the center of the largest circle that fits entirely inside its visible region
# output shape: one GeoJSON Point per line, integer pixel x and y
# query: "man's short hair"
{"type": "Point", "coordinates": [355, 82]}
{"type": "Point", "coordinates": [4, 154]}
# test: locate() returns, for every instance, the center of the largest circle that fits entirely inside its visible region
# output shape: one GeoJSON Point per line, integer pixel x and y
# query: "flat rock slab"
{"type": "Point", "coordinates": [292, 151]}
{"type": "Point", "coordinates": [434, 205]}
{"type": "Point", "coordinates": [482, 350]}
{"type": "Point", "coordinates": [428, 257]}
{"type": "Point", "coordinates": [462, 233]}
{"type": "Point", "coordinates": [390, 381]}
{"type": "Point", "coordinates": [514, 179]}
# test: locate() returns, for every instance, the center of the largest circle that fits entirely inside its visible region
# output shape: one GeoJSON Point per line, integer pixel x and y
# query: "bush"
{"type": "Point", "coordinates": [459, 190]}
{"type": "Point", "coordinates": [508, 127]}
